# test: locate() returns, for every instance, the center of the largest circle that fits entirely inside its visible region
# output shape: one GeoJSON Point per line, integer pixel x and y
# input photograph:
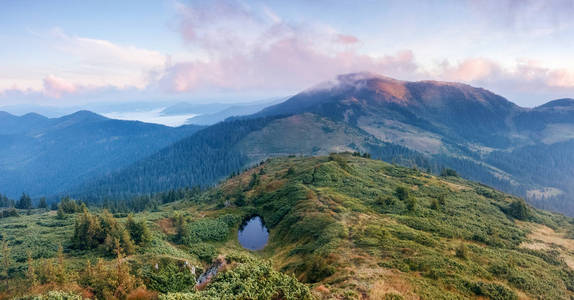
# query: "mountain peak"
{"type": "Point", "coordinates": [84, 115]}
{"type": "Point", "coordinates": [559, 103]}
{"type": "Point", "coordinates": [376, 92]}
{"type": "Point", "coordinates": [363, 76]}
{"type": "Point", "coordinates": [5, 114]}
{"type": "Point", "coordinates": [33, 116]}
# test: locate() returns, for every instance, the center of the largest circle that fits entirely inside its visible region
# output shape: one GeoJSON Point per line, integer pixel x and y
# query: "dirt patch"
{"type": "Point", "coordinates": [391, 284]}
{"type": "Point", "coordinates": [545, 238]}
{"type": "Point", "coordinates": [455, 187]}
{"type": "Point", "coordinates": [166, 226]}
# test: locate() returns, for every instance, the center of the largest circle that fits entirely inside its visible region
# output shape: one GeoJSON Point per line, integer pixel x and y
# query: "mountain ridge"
{"type": "Point", "coordinates": [437, 124]}
{"type": "Point", "coordinates": [43, 156]}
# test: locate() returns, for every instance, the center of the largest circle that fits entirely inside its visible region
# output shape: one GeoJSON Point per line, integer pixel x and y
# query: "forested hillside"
{"type": "Point", "coordinates": [229, 147]}
{"type": "Point", "coordinates": [43, 156]}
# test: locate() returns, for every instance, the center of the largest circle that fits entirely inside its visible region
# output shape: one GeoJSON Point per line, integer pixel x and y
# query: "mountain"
{"type": "Point", "coordinates": [339, 227]}
{"type": "Point", "coordinates": [232, 111]}
{"type": "Point", "coordinates": [484, 136]}
{"type": "Point", "coordinates": [397, 110]}
{"type": "Point", "coordinates": [214, 153]}
{"type": "Point", "coordinates": [428, 124]}
{"type": "Point", "coordinates": [185, 108]}
{"type": "Point", "coordinates": [43, 156]}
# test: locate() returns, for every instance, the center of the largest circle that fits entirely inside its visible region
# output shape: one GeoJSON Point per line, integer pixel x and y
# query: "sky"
{"type": "Point", "coordinates": [70, 53]}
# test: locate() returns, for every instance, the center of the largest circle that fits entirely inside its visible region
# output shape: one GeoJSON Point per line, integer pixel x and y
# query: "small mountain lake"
{"type": "Point", "coordinates": [253, 234]}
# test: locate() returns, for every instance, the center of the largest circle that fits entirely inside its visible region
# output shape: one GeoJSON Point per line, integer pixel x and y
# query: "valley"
{"type": "Point", "coordinates": [340, 226]}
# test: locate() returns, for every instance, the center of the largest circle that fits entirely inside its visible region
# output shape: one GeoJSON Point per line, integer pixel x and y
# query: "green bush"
{"type": "Point", "coordinates": [518, 210]}
{"type": "Point", "coordinates": [203, 251]}
{"type": "Point", "coordinates": [54, 295]}
{"type": "Point", "coordinates": [462, 251]}
{"type": "Point", "coordinates": [249, 280]}
{"type": "Point", "coordinates": [402, 193]}
{"type": "Point", "coordinates": [206, 230]}
{"type": "Point", "coordinates": [493, 291]}
{"type": "Point", "coordinates": [319, 270]}
{"type": "Point", "coordinates": [138, 231]}
{"type": "Point", "coordinates": [170, 276]}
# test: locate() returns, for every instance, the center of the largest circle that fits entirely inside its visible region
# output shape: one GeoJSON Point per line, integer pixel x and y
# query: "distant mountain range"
{"type": "Point", "coordinates": [209, 114]}
{"type": "Point", "coordinates": [45, 156]}
{"type": "Point", "coordinates": [424, 124]}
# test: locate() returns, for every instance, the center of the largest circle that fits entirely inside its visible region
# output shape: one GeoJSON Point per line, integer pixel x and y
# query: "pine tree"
{"type": "Point", "coordinates": [42, 203]}
{"type": "Point", "coordinates": [5, 257]}
{"type": "Point", "coordinates": [125, 281]}
{"type": "Point", "coordinates": [31, 272]}
{"type": "Point", "coordinates": [179, 224]}
{"type": "Point", "coordinates": [61, 267]}
{"type": "Point", "coordinates": [139, 232]}
{"type": "Point", "coordinates": [25, 202]}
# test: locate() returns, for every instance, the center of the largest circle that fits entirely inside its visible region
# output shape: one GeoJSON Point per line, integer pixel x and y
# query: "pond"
{"type": "Point", "coordinates": [253, 234]}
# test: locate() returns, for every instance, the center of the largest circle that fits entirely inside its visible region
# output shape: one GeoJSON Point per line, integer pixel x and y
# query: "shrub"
{"type": "Point", "coordinates": [69, 206]}
{"type": "Point", "coordinates": [206, 230]}
{"type": "Point", "coordinates": [139, 231]}
{"type": "Point", "coordinates": [319, 270]}
{"type": "Point", "coordinates": [518, 210]}
{"type": "Point", "coordinates": [54, 295]}
{"type": "Point", "coordinates": [170, 276]}
{"type": "Point", "coordinates": [434, 204]}
{"type": "Point", "coordinates": [411, 204]}
{"type": "Point", "coordinates": [448, 173]}
{"type": "Point", "coordinates": [402, 193]}
{"type": "Point", "coordinates": [9, 212]}
{"type": "Point", "coordinates": [203, 251]}
{"type": "Point", "coordinates": [91, 231]}
{"type": "Point", "coordinates": [462, 251]}
{"type": "Point", "coordinates": [249, 280]}
{"type": "Point", "coordinates": [493, 291]}
{"type": "Point", "coordinates": [109, 281]}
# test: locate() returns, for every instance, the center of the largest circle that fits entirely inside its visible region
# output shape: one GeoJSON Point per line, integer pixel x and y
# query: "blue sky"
{"type": "Point", "coordinates": [73, 52]}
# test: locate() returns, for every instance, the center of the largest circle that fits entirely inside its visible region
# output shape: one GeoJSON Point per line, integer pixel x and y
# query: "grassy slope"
{"type": "Point", "coordinates": [337, 224]}
{"type": "Point", "coordinates": [345, 214]}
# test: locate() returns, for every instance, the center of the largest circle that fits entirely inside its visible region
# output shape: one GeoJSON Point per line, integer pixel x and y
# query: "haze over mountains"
{"type": "Point", "coordinates": [44, 156]}
{"type": "Point", "coordinates": [428, 124]}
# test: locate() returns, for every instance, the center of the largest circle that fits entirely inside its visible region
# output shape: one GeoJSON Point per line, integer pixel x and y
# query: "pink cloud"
{"type": "Point", "coordinates": [470, 70]}
{"type": "Point", "coordinates": [347, 39]}
{"type": "Point", "coordinates": [246, 51]}
{"type": "Point", "coordinates": [55, 87]}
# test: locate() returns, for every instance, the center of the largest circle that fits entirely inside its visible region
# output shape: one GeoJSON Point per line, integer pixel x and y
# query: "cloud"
{"type": "Point", "coordinates": [525, 81]}
{"type": "Point", "coordinates": [246, 49]}
{"type": "Point", "coordinates": [97, 51]}
{"type": "Point", "coordinates": [235, 48]}
{"type": "Point", "coordinates": [346, 39]}
{"type": "Point", "coordinates": [83, 62]}
{"type": "Point", "coordinates": [469, 70]}
{"type": "Point", "coordinates": [97, 62]}
{"type": "Point", "coordinates": [55, 87]}
{"type": "Point", "coordinates": [532, 17]}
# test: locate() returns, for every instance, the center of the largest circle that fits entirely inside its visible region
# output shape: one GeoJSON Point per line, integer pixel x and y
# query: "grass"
{"type": "Point", "coordinates": [345, 226]}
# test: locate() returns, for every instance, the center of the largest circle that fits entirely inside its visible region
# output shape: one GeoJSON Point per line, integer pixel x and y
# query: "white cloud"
{"type": "Point", "coordinates": [55, 87]}
{"type": "Point", "coordinates": [74, 64]}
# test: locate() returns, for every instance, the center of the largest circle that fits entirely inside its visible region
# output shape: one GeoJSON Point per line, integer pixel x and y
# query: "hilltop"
{"type": "Point", "coordinates": [428, 124]}
{"type": "Point", "coordinates": [344, 226]}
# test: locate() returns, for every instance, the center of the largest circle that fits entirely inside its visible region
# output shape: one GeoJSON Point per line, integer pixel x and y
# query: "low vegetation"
{"type": "Point", "coordinates": [341, 226]}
